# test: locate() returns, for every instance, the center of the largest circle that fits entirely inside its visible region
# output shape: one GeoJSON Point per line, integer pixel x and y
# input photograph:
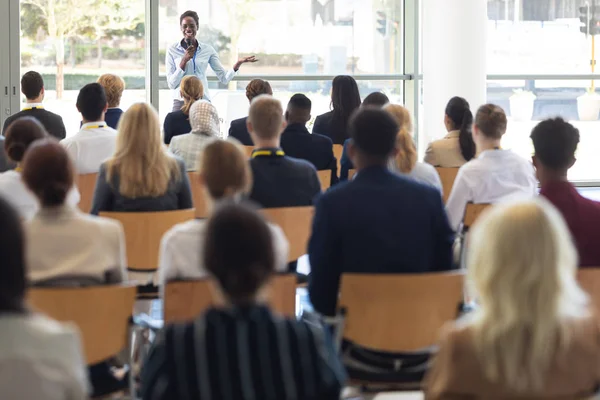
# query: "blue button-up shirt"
{"type": "Point", "coordinates": [205, 54]}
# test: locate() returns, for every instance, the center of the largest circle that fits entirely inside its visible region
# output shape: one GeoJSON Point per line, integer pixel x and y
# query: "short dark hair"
{"type": "Point", "coordinates": [191, 14]}
{"type": "Point", "coordinates": [300, 102]}
{"type": "Point", "coordinates": [238, 251]}
{"type": "Point", "coordinates": [376, 99]}
{"type": "Point", "coordinates": [91, 101]}
{"type": "Point", "coordinates": [373, 131]}
{"type": "Point", "coordinates": [555, 142]}
{"type": "Point", "coordinates": [491, 121]}
{"type": "Point", "coordinates": [12, 247]}
{"type": "Point", "coordinates": [20, 134]}
{"type": "Point", "coordinates": [32, 84]}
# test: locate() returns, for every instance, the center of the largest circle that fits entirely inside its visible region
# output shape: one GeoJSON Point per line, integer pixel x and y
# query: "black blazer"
{"type": "Point", "coordinates": [238, 130]}
{"type": "Point", "coordinates": [112, 117]}
{"type": "Point", "coordinates": [297, 142]}
{"type": "Point", "coordinates": [324, 126]}
{"type": "Point", "coordinates": [380, 222]}
{"type": "Point", "coordinates": [52, 122]}
{"type": "Point", "coordinates": [176, 123]}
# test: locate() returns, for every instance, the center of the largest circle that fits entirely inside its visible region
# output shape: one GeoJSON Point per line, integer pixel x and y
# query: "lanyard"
{"type": "Point", "coordinates": [19, 169]}
{"type": "Point", "coordinates": [33, 108]}
{"type": "Point", "coordinates": [95, 126]}
{"type": "Point", "coordinates": [267, 153]}
{"type": "Point", "coordinates": [194, 59]}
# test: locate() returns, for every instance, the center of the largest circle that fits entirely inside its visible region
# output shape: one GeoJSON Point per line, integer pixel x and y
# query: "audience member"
{"type": "Point", "coordinates": [32, 86]}
{"type": "Point", "coordinates": [5, 163]}
{"type": "Point", "coordinates": [345, 98]}
{"type": "Point", "coordinates": [205, 130]}
{"type": "Point", "coordinates": [19, 136]}
{"type": "Point", "coordinates": [495, 175]}
{"type": "Point", "coordinates": [141, 175]}
{"type": "Point", "coordinates": [113, 87]}
{"type": "Point", "coordinates": [39, 358]}
{"type": "Point", "coordinates": [375, 99]}
{"type": "Point", "coordinates": [238, 129]}
{"type": "Point", "coordinates": [555, 142]}
{"type": "Point", "coordinates": [95, 142]}
{"type": "Point", "coordinates": [226, 177]}
{"type": "Point", "coordinates": [178, 122]}
{"type": "Point", "coordinates": [241, 349]}
{"type": "Point", "coordinates": [532, 334]}
{"type": "Point", "coordinates": [380, 222]}
{"type": "Point", "coordinates": [279, 180]}
{"type": "Point", "coordinates": [298, 142]}
{"type": "Point", "coordinates": [457, 147]}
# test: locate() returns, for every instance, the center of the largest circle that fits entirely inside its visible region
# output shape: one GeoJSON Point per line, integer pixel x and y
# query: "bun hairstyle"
{"type": "Point", "coordinates": [459, 112]}
{"type": "Point", "coordinates": [20, 135]}
{"type": "Point", "coordinates": [256, 87]}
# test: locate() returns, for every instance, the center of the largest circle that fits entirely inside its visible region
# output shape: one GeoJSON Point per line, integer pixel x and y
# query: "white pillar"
{"type": "Point", "coordinates": [454, 59]}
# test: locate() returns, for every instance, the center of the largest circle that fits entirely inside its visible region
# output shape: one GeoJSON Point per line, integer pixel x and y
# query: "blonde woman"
{"type": "Point", "coordinates": [532, 336]}
{"type": "Point", "coordinates": [142, 175]}
{"type": "Point", "coordinates": [178, 122]}
{"type": "Point", "coordinates": [205, 130]}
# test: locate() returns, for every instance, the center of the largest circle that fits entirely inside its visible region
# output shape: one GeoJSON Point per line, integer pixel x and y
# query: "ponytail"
{"type": "Point", "coordinates": [465, 138]}
{"type": "Point", "coordinates": [407, 152]}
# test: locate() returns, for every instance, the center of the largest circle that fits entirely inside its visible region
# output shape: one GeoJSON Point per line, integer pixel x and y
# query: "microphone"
{"type": "Point", "coordinates": [188, 41]}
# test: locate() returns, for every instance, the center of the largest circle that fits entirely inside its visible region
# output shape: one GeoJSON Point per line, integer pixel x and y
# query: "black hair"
{"type": "Point", "coordinates": [191, 14]}
{"type": "Point", "coordinates": [373, 132]}
{"type": "Point", "coordinates": [300, 102]}
{"type": "Point", "coordinates": [345, 98]}
{"type": "Point", "coordinates": [239, 251]}
{"type": "Point", "coordinates": [32, 84]}
{"type": "Point", "coordinates": [20, 134]}
{"type": "Point", "coordinates": [12, 247]}
{"type": "Point", "coordinates": [555, 142]}
{"type": "Point", "coordinates": [459, 112]}
{"type": "Point", "coordinates": [376, 99]}
{"type": "Point", "coordinates": [91, 101]}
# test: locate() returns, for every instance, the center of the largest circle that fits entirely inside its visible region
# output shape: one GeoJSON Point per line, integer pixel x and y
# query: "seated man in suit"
{"type": "Point", "coordinates": [555, 142]}
{"type": "Point", "coordinates": [298, 142]}
{"type": "Point", "coordinates": [279, 180]}
{"type": "Point", "coordinates": [238, 129]}
{"type": "Point", "coordinates": [380, 222]}
{"type": "Point", "coordinates": [32, 86]}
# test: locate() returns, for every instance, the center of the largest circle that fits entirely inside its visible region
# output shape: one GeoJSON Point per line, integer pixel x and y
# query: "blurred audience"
{"type": "Point", "coordinates": [375, 99]}
{"type": "Point", "coordinates": [141, 175]}
{"type": "Point", "coordinates": [238, 129]}
{"type": "Point", "coordinates": [5, 163]}
{"type": "Point", "coordinates": [532, 334]}
{"type": "Point", "coordinates": [113, 87]}
{"type": "Point", "coordinates": [241, 349]}
{"type": "Point", "coordinates": [178, 122]}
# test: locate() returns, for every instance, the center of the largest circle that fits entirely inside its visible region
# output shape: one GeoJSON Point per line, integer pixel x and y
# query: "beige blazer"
{"type": "Point", "coordinates": [457, 372]}
{"type": "Point", "coordinates": [445, 152]}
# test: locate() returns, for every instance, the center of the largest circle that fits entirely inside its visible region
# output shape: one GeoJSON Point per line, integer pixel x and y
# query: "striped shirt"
{"type": "Point", "coordinates": [242, 354]}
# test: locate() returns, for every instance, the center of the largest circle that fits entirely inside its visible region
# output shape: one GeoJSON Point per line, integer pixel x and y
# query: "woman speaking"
{"type": "Point", "coordinates": [190, 57]}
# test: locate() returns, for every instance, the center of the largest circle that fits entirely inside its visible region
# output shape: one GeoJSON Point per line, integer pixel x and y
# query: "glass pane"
{"type": "Point", "coordinates": [72, 42]}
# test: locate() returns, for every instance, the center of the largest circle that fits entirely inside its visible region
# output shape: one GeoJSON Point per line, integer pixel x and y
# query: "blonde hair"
{"type": "Point", "coordinates": [407, 151]}
{"type": "Point", "coordinates": [191, 89]}
{"type": "Point", "coordinates": [266, 116]}
{"type": "Point", "coordinates": [113, 87]}
{"type": "Point", "coordinates": [140, 161]}
{"type": "Point", "coordinates": [522, 263]}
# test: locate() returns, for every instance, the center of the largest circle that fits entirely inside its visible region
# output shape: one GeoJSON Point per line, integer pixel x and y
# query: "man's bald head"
{"type": "Point", "coordinates": [265, 119]}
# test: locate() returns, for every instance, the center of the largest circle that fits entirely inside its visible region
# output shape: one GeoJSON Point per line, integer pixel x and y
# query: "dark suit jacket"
{"type": "Point", "coordinates": [176, 123]}
{"type": "Point", "coordinates": [282, 181]}
{"type": "Point", "coordinates": [345, 162]}
{"type": "Point", "coordinates": [378, 223]}
{"type": "Point", "coordinates": [52, 122]}
{"type": "Point", "coordinates": [297, 142]}
{"type": "Point", "coordinates": [112, 117]}
{"type": "Point", "coordinates": [324, 126]}
{"type": "Point", "coordinates": [238, 130]}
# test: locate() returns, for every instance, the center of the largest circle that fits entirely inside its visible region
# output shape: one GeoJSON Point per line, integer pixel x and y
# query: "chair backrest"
{"type": "Point", "coordinates": [101, 313]}
{"type": "Point", "coordinates": [198, 195]}
{"type": "Point", "coordinates": [143, 233]}
{"type": "Point", "coordinates": [472, 212]}
{"type": "Point", "coordinates": [400, 312]}
{"type": "Point", "coordinates": [86, 184]}
{"type": "Point", "coordinates": [589, 280]}
{"type": "Point", "coordinates": [296, 223]}
{"type": "Point", "coordinates": [248, 150]}
{"type": "Point", "coordinates": [351, 173]}
{"type": "Point", "coordinates": [185, 300]}
{"type": "Point", "coordinates": [325, 179]}
{"type": "Point", "coordinates": [447, 176]}
{"type": "Point", "coordinates": [338, 149]}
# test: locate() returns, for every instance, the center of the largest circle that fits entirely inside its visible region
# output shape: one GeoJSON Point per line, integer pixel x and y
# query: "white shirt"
{"type": "Point", "coordinates": [13, 190]}
{"type": "Point", "coordinates": [181, 251]}
{"type": "Point", "coordinates": [65, 243]}
{"type": "Point", "coordinates": [89, 147]}
{"type": "Point", "coordinates": [426, 174]}
{"type": "Point", "coordinates": [40, 359]}
{"type": "Point", "coordinates": [494, 176]}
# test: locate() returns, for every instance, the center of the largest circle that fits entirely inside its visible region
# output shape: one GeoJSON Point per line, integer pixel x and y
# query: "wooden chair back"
{"type": "Point", "coordinates": [400, 312]}
{"type": "Point", "coordinates": [472, 213]}
{"type": "Point", "coordinates": [589, 280]}
{"type": "Point", "coordinates": [325, 179]}
{"type": "Point", "coordinates": [248, 150]}
{"type": "Point", "coordinates": [185, 300]}
{"type": "Point", "coordinates": [101, 313]}
{"type": "Point", "coordinates": [296, 223]}
{"type": "Point", "coordinates": [447, 176]}
{"type": "Point", "coordinates": [143, 233]}
{"type": "Point", "coordinates": [86, 184]}
{"type": "Point", "coordinates": [338, 149]}
{"type": "Point", "coordinates": [200, 206]}
{"type": "Point", "coordinates": [351, 173]}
